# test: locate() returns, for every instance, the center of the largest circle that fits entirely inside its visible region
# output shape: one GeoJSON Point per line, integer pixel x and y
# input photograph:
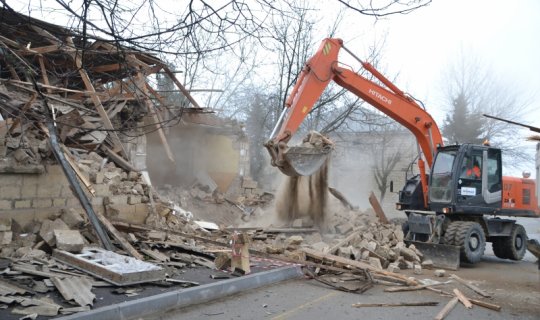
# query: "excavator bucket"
{"type": "Point", "coordinates": [303, 161]}
{"type": "Point", "coordinates": [443, 255]}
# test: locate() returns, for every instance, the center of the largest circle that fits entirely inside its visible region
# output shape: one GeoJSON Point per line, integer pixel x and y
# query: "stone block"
{"type": "Point", "coordinates": [28, 191]}
{"type": "Point", "coordinates": [298, 223]}
{"type": "Point", "coordinates": [320, 246]}
{"type": "Point", "coordinates": [157, 235]}
{"type": "Point", "coordinates": [69, 240]}
{"type": "Point", "coordinates": [12, 179]}
{"type": "Point", "coordinates": [116, 200]}
{"type": "Point", "coordinates": [427, 264]}
{"type": "Point", "coordinates": [5, 224]}
{"type": "Point", "coordinates": [5, 237]}
{"type": "Point", "coordinates": [102, 190]}
{"type": "Point", "coordinates": [295, 240]}
{"type": "Point", "coordinates": [48, 190]}
{"type": "Point", "coordinates": [46, 232]}
{"type": "Point", "coordinates": [439, 273]}
{"type": "Point", "coordinates": [5, 205]}
{"type": "Point", "coordinates": [41, 203]}
{"type": "Point", "coordinates": [59, 202]}
{"type": "Point", "coordinates": [417, 269]}
{"type": "Point", "coordinates": [73, 218]}
{"type": "Point", "coordinates": [248, 183]}
{"type": "Point", "coordinates": [344, 228]}
{"type": "Point", "coordinates": [393, 267]}
{"type": "Point", "coordinates": [10, 192]}
{"type": "Point", "coordinates": [66, 191]}
{"type": "Point", "coordinates": [375, 262]}
{"type": "Point", "coordinates": [96, 201]}
{"type": "Point", "coordinates": [23, 204]}
{"type": "Point", "coordinates": [132, 199]}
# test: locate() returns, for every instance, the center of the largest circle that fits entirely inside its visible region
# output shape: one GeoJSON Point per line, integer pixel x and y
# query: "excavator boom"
{"type": "Point", "coordinates": [317, 73]}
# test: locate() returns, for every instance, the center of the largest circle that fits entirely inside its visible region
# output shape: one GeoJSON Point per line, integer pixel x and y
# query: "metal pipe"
{"type": "Point", "coordinates": [281, 116]}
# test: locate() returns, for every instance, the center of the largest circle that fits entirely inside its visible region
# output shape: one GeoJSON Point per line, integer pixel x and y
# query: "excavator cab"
{"type": "Point", "coordinates": [466, 179]}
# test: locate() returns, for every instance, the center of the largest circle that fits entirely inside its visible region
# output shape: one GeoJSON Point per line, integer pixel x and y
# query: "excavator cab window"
{"type": "Point", "coordinates": [441, 177]}
{"type": "Point", "coordinates": [470, 178]}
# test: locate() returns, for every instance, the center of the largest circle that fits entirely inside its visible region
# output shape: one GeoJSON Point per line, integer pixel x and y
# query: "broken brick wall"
{"type": "Point", "coordinates": [25, 197]}
{"type": "Point", "coordinates": [199, 145]}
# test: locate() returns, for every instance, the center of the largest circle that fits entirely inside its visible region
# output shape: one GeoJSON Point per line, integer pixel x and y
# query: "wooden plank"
{"type": "Point", "coordinates": [44, 73]}
{"type": "Point", "coordinates": [181, 87]}
{"type": "Point", "coordinates": [486, 304]}
{"type": "Point", "coordinates": [116, 235]}
{"type": "Point", "coordinates": [471, 286]}
{"type": "Point", "coordinates": [141, 83]}
{"type": "Point", "coordinates": [40, 50]}
{"type": "Point", "coordinates": [106, 67]}
{"type": "Point", "coordinates": [462, 298]}
{"type": "Point", "coordinates": [447, 308]}
{"type": "Point", "coordinates": [26, 106]}
{"type": "Point", "coordinates": [413, 288]}
{"type": "Point", "coordinates": [399, 304]}
{"type": "Point", "coordinates": [343, 242]}
{"type": "Point", "coordinates": [353, 263]}
{"type": "Point", "coordinates": [377, 207]}
{"type": "Point", "coordinates": [78, 172]}
{"type": "Point", "coordinates": [97, 102]}
{"type": "Point", "coordinates": [121, 162]}
{"type": "Point", "coordinates": [117, 108]}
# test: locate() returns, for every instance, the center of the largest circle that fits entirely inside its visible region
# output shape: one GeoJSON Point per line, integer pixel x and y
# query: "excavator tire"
{"type": "Point", "coordinates": [514, 246]}
{"type": "Point", "coordinates": [499, 248]}
{"type": "Point", "coordinates": [471, 239]}
{"type": "Point", "coordinates": [450, 233]}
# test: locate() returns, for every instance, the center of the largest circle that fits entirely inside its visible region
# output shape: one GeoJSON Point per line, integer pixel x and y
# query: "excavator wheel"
{"type": "Point", "coordinates": [499, 248]}
{"type": "Point", "coordinates": [450, 233]}
{"type": "Point", "coordinates": [512, 247]}
{"type": "Point", "coordinates": [471, 239]}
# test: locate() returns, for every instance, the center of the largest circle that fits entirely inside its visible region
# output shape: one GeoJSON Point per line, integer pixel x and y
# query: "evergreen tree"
{"type": "Point", "coordinates": [462, 125]}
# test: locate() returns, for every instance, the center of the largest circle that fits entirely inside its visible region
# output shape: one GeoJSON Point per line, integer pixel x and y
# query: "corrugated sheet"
{"type": "Point", "coordinates": [9, 289]}
{"type": "Point", "coordinates": [78, 289]}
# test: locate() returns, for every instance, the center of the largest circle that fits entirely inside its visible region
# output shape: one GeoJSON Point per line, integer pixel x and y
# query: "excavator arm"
{"type": "Point", "coordinates": [323, 68]}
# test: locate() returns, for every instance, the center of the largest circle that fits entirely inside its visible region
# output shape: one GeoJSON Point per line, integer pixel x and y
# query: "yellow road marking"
{"type": "Point", "coordinates": [284, 315]}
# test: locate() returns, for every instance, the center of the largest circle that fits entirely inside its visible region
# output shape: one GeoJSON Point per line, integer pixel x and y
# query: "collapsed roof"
{"type": "Point", "coordinates": [96, 92]}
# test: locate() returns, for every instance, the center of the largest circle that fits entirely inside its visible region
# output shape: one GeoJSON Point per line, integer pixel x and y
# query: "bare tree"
{"type": "Point", "coordinates": [484, 92]}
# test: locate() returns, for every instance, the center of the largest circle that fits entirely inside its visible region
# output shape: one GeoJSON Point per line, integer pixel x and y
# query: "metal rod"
{"type": "Point", "coordinates": [281, 116]}
{"type": "Point", "coordinates": [352, 54]}
{"type": "Point", "coordinates": [76, 187]}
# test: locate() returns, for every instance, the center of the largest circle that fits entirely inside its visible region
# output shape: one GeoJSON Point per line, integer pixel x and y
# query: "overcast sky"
{"type": "Point", "coordinates": [420, 47]}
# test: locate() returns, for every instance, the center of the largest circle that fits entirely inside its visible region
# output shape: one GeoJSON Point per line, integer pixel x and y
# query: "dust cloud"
{"type": "Point", "coordinates": [304, 197]}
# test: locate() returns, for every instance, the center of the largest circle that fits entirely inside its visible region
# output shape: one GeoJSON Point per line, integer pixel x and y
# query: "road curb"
{"type": "Point", "coordinates": [181, 298]}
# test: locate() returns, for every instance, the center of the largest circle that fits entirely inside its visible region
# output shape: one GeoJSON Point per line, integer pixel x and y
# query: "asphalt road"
{"type": "Point", "coordinates": [514, 285]}
{"type": "Point", "coordinates": [301, 299]}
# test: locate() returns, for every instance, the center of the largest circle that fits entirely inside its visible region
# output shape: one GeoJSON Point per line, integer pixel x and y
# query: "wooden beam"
{"type": "Point", "coordinates": [447, 308]}
{"type": "Point", "coordinates": [121, 162]}
{"type": "Point", "coordinates": [471, 286]}
{"type": "Point", "coordinates": [97, 102]}
{"type": "Point", "coordinates": [377, 207]}
{"type": "Point", "coordinates": [343, 242]}
{"type": "Point", "coordinates": [44, 73]}
{"type": "Point", "coordinates": [399, 304]}
{"type": "Point", "coordinates": [116, 235]}
{"type": "Point", "coordinates": [141, 83]}
{"type": "Point", "coordinates": [348, 263]}
{"type": "Point", "coordinates": [106, 68]}
{"type": "Point", "coordinates": [77, 171]}
{"type": "Point", "coordinates": [463, 299]}
{"type": "Point", "coordinates": [181, 87]}
{"type": "Point", "coordinates": [26, 106]}
{"type": "Point", "coordinates": [39, 50]}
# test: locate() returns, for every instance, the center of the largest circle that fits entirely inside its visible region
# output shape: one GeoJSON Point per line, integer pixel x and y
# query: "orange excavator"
{"type": "Point", "coordinates": [451, 213]}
